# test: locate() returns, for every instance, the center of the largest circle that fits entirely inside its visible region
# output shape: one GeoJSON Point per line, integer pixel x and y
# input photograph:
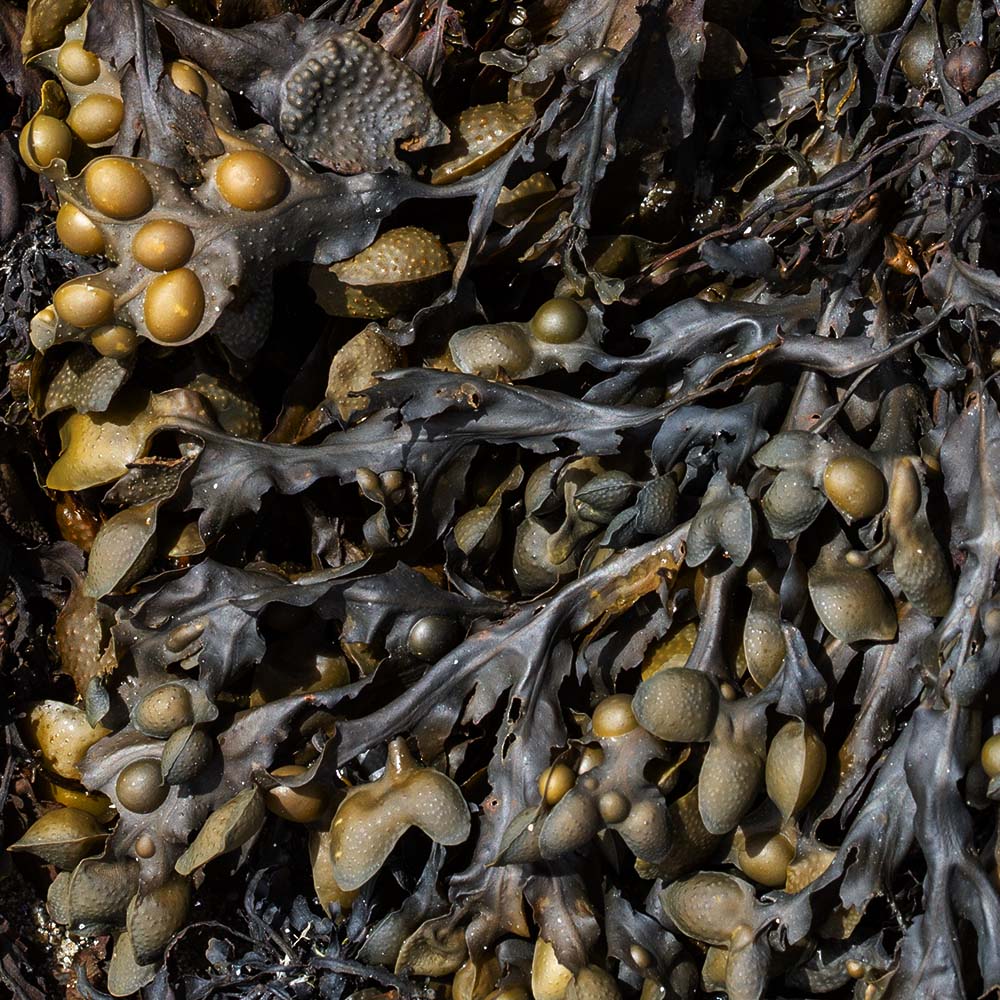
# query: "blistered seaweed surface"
{"type": "Point", "coordinates": [499, 501]}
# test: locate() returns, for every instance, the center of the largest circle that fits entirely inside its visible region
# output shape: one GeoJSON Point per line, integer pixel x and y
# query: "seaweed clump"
{"type": "Point", "coordinates": [485, 515]}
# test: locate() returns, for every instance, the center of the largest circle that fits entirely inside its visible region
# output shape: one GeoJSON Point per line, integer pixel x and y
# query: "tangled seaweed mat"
{"type": "Point", "coordinates": [500, 501]}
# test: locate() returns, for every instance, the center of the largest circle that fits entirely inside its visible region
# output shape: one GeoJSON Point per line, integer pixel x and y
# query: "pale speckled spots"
{"type": "Point", "coordinates": [348, 104]}
{"type": "Point", "coordinates": [481, 135]}
{"type": "Point", "coordinates": [677, 704]}
{"type": "Point", "coordinates": [709, 906]}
